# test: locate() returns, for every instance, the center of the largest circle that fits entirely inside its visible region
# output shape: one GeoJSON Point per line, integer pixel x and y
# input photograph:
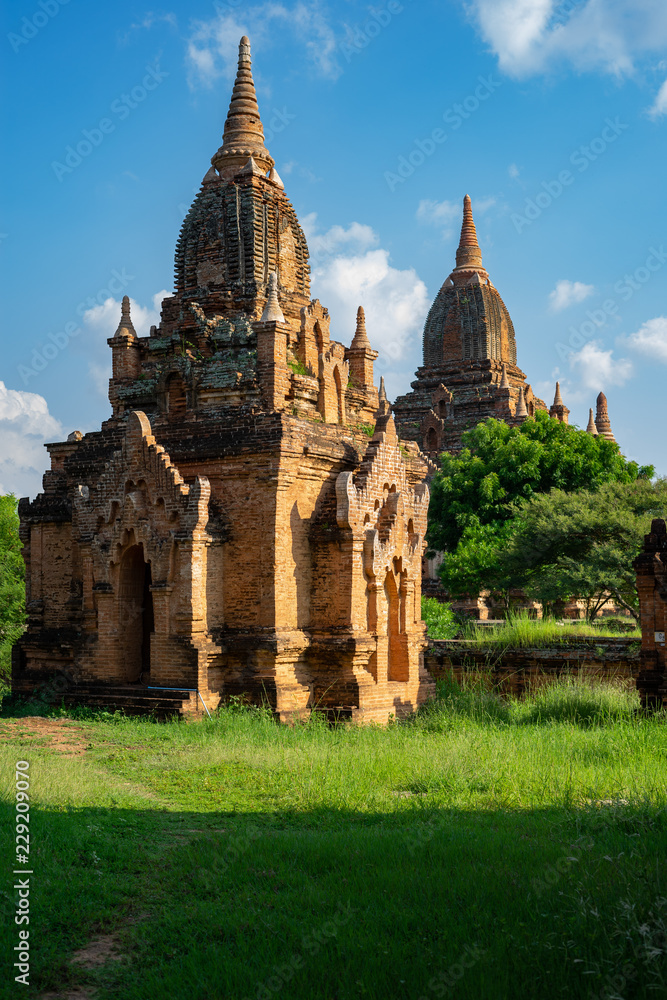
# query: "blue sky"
{"type": "Point", "coordinates": [381, 117]}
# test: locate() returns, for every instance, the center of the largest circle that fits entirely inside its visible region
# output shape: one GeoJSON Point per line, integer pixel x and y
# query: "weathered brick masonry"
{"type": "Point", "coordinates": [651, 567]}
{"type": "Point", "coordinates": [233, 528]}
{"type": "Point", "coordinates": [516, 671]}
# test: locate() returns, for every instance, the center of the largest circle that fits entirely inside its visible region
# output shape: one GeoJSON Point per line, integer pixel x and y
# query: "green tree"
{"type": "Point", "coordinates": [500, 466]}
{"type": "Point", "coordinates": [582, 543]}
{"type": "Point", "coordinates": [12, 583]}
{"type": "Point", "coordinates": [439, 618]}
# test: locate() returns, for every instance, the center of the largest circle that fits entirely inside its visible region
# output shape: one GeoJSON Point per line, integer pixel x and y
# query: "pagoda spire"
{"type": "Point", "coordinates": [272, 311]}
{"type": "Point", "coordinates": [602, 418]}
{"type": "Point", "coordinates": [360, 339]}
{"type": "Point", "coordinates": [468, 255]}
{"type": "Point", "coordinates": [126, 326]}
{"type": "Point", "coordinates": [558, 409]}
{"type": "Point", "coordinates": [591, 429]}
{"type": "Point", "coordinates": [521, 412]}
{"type": "Point", "coordinates": [243, 135]}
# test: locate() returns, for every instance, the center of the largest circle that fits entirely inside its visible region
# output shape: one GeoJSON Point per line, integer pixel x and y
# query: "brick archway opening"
{"type": "Point", "coordinates": [339, 395]}
{"type": "Point", "coordinates": [398, 667]}
{"type": "Point", "coordinates": [137, 621]}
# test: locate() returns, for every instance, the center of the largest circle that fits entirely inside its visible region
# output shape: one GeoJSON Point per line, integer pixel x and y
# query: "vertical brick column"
{"type": "Point", "coordinates": [273, 373]}
{"type": "Point", "coordinates": [651, 567]}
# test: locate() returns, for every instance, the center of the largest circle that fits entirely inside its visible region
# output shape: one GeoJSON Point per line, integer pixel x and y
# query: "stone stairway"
{"type": "Point", "coordinates": [134, 699]}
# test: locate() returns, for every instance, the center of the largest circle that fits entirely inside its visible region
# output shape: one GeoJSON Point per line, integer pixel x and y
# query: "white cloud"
{"type": "Point", "coordinates": [651, 339]}
{"type": "Point", "coordinates": [513, 171]}
{"type": "Point", "coordinates": [101, 322]}
{"type": "Point", "coordinates": [212, 48]}
{"type": "Point", "coordinates": [25, 425]}
{"type": "Point", "coordinates": [659, 106]}
{"type": "Point", "coordinates": [348, 271]}
{"type": "Point", "coordinates": [438, 213]}
{"type": "Point", "coordinates": [568, 293]}
{"type": "Point", "coordinates": [531, 36]}
{"type": "Point", "coordinates": [597, 369]}
{"type": "Point", "coordinates": [482, 205]}
{"type": "Point", "coordinates": [357, 238]}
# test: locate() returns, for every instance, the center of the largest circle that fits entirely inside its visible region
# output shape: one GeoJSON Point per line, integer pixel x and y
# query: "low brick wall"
{"type": "Point", "coordinates": [513, 670]}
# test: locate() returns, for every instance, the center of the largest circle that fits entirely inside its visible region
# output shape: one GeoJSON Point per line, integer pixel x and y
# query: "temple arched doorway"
{"type": "Point", "coordinates": [398, 667]}
{"type": "Point", "coordinates": [136, 618]}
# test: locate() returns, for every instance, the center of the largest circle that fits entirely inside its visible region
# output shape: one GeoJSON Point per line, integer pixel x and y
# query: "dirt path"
{"type": "Point", "coordinates": [64, 736]}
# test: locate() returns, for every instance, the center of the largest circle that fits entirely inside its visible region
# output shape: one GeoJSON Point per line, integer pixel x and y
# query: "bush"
{"type": "Point", "coordinates": [441, 622]}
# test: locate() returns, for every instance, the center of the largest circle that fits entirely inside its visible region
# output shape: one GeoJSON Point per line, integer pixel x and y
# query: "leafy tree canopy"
{"type": "Point", "coordinates": [501, 466]}
{"type": "Point", "coordinates": [559, 544]}
{"type": "Point", "coordinates": [12, 576]}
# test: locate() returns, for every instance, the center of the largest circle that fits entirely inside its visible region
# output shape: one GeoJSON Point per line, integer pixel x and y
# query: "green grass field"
{"type": "Point", "coordinates": [483, 849]}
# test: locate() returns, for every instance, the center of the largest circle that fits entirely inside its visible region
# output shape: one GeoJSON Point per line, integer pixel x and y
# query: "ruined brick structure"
{"type": "Point", "coordinates": [651, 567]}
{"type": "Point", "coordinates": [470, 369]}
{"type": "Point", "coordinates": [246, 522]}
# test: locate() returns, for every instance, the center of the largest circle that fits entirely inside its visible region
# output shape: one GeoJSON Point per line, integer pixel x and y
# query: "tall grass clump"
{"type": "Point", "coordinates": [470, 698]}
{"type": "Point", "coordinates": [519, 631]}
{"type": "Point", "coordinates": [579, 700]}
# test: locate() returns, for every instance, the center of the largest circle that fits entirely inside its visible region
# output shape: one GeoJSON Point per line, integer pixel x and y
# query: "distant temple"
{"type": "Point", "coordinates": [246, 522]}
{"type": "Point", "coordinates": [470, 369]}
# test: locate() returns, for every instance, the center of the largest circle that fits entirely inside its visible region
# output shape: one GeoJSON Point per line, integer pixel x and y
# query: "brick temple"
{"type": "Point", "coordinates": [245, 522]}
{"type": "Point", "coordinates": [470, 369]}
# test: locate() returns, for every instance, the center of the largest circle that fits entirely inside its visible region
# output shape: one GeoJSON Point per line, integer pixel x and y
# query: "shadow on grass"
{"type": "Point", "coordinates": [332, 904]}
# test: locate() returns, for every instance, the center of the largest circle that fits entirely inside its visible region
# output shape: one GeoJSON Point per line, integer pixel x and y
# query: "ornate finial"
{"type": "Point", "coordinates": [384, 409]}
{"type": "Point", "coordinates": [558, 409]}
{"type": "Point", "coordinates": [468, 255]}
{"type": "Point", "coordinates": [521, 412]}
{"type": "Point", "coordinates": [272, 311]}
{"type": "Point", "coordinates": [591, 429]}
{"type": "Point", "coordinates": [602, 418]}
{"type": "Point", "coordinates": [504, 382]}
{"type": "Point", "coordinates": [276, 178]}
{"type": "Point", "coordinates": [360, 340]}
{"type": "Point", "coordinates": [243, 135]}
{"type": "Point", "coordinates": [251, 168]}
{"type": "Point", "coordinates": [125, 327]}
